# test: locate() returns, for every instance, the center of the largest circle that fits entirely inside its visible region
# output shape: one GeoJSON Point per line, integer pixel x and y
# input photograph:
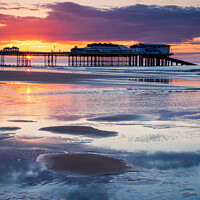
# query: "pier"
{"type": "Point", "coordinates": [95, 59]}
{"type": "Point", "coordinates": [100, 55]}
{"type": "Point", "coordinates": [129, 59]}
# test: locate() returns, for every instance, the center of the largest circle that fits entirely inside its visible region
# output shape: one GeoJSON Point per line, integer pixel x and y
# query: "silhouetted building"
{"type": "Point", "coordinates": [12, 49]}
{"type": "Point", "coordinates": [141, 48]}
{"type": "Point", "coordinates": [102, 48]}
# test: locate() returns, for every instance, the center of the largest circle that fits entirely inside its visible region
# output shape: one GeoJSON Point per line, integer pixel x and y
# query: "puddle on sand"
{"type": "Point", "coordinates": [28, 121]}
{"type": "Point", "coordinates": [121, 117]}
{"type": "Point", "coordinates": [9, 128]}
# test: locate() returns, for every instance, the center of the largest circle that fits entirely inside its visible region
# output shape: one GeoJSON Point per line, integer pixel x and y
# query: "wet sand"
{"type": "Point", "coordinates": [79, 130]}
{"type": "Point", "coordinates": [164, 151]}
{"type": "Point", "coordinates": [49, 77]}
{"type": "Point", "coordinates": [83, 164]}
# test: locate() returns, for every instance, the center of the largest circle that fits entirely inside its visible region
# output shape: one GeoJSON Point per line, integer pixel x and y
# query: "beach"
{"type": "Point", "coordinates": [100, 133]}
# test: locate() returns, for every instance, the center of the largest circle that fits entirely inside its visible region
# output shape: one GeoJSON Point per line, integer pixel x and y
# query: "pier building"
{"type": "Point", "coordinates": [12, 49]}
{"type": "Point", "coordinates": [141, 48]}
{"type": "Point", "coordinates": [107, 54]}
{"type": "Point", "coordinates": [102, 48]}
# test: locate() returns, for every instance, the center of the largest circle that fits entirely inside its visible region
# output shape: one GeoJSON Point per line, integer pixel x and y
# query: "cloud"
{"type": "Point", "coordinates": [17, 6]}
{"type": "Point", "coordinates": [69, 21]}
{"type": "Point", "coordinates": [138, 22]}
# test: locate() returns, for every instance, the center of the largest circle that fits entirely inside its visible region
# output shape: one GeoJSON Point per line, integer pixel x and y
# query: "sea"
{"type": "Point", "coordinates": [155, 112]}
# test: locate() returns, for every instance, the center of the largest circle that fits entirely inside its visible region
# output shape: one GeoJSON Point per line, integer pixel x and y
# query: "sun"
{"type": "Point", "coordinates": [28, 70]}
{"type": "Point", "coordinates": [28, 57]}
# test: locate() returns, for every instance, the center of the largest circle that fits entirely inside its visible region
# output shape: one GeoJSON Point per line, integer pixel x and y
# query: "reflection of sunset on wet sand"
{"type": "Point", "coordinates": [145, 117]}
{"type": "Point", "coordinates": [29, 99]}
{"type": "Point", "coordinates": [33, 141]}
{"type": "Point", "coordinates": [194, 82]}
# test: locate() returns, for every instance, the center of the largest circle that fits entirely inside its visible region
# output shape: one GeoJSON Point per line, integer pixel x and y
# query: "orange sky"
{"type": "Point", "coordinates": [47, 26]}
{"type": "Point", "coordinates": [39, 45]}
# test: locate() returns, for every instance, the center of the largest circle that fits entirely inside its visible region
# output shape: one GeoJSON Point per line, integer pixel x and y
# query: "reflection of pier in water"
{"type": "Point", "coordinates": [93, 59]}
{"type": "Point", "coordinates": [151, 80]}
{"type": "Point", "coordinates": [194, 82]}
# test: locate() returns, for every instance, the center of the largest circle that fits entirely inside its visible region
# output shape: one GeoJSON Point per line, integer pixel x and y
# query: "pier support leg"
{"type": "Point", "coordinates": [68, 60]}
{"type": "Point", "coordinates": [48, 60]}
{"type": "Point", "coordinates": [76, 60]}
{"type": "Point", "coordinates": [87, 61]}
{"type": "Point", "coordinates": [51, 60]}
{"type": "Point", "coordinates": [148, 61]}
{"type": "Point", "coordinates": [2, 60]}
{"type": "Point", "coordinates": [129, 60]}
{"type": "Point", "coordinates": [141, 60]}
{"type": "Point", "coordinates": [95, 60]}
{"type": "Point", "coordinates": [111, 60]}
{"type": "Point", "coordinates": [165, 61]}
{"type": "Point", "coordinates": [18, 60]}
{"type": "Point", "coordinates": [45, 60]}
{"type": "Point", "coordinates": [136, 60]}
{"type": "Point", "coordinates": [153, 61]}
{"type": "Point", "coordinates": [98, 59]}
{"type": "Point", "coordinates": [55, 60]}
{"type": "Point", "coordinates": [90, 63]}
{"type": "Point", "coordinates": [133, 60]}
{"type": "Point", "coordinates": [162, 62]}
{"type": "Point", "coordinates": [72, 61]}
{"type": "Point", "coordinates": [157, 61]}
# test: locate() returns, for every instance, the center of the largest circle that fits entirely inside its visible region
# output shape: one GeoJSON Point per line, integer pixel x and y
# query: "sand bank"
{"type": "Point", "coordinates": [82, 164]}
{"type": "Point", "coordinates": [79, 130]}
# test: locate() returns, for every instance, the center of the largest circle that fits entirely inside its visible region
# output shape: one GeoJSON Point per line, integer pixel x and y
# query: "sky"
{"type": "Point", "coordinates": [45, 25]}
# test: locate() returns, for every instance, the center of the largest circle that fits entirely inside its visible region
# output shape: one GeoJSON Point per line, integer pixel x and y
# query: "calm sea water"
{"type": "Point", "coordinates": [157, 112]}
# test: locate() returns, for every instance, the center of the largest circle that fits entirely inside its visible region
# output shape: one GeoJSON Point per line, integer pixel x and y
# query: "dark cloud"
{"type": "Point", "coordinates": [70, 21]}
{"type": "Point", "coordinates": [138, 22]}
